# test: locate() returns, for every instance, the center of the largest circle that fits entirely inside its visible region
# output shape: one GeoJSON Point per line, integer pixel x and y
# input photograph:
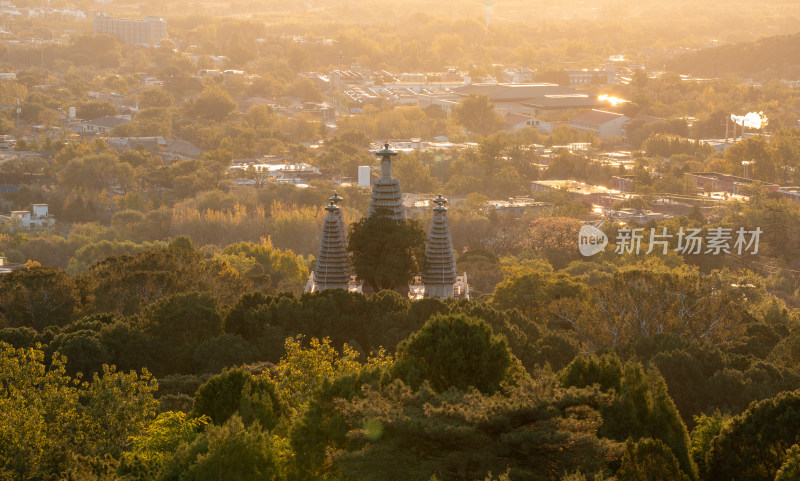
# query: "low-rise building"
{"type": "Point", "coordinates": [519, 121]}
{"type": "Point", "coordinates": [104, 125]}
{"type": "Point", "coordinates": [419, 78]}
{"type": "Point", "coordinates": [7, 267]}
{"type": "Point", "coordinates": [600, 122]}
{"type": "Point", "coordinates": [729, 184]}
{"type": "Point", "coordinates": [790, 192]}
{"type": "Point", "coordinates": [525, 98]}
{"type": "Point", "coordinates": [516, 207]}
{"type": "Point", "coordinates": [587, 76]}
{"type": "Point", "coordinates": [530, 98]}
{"type": "Point", "coordinates": [317, 111]}
{"type": "Point", "coordinates": [638, 216]}
{"type": "Point", "coordinates": [516, 75]}
{"type": "Point", "coordinates": [586, 193]}
{"type": "Point", "coordinates": [168, 149]}
{"type": "Point", "coordinates": [719, 145]}
{"type": "Point", "coordinates": [147, 31]}
{"type": "Point", "coordinates": [444, 99]}
{"type": "Point", "coordinates": [452, 75]}
{"type": "Point", "coordinates": [624, 183]}
{"type": "Point", "coordinates": [36, 219]}
{"type": "Point", "coordinates": [341, 79]}
{"type": "Point", "coordinates": [296, 173]}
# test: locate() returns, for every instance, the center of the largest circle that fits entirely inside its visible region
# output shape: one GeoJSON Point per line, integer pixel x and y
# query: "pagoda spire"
{"type": "Point", "coordinates": [331, 271]}
{"type": "Point", "coordinates": [335, 199]}
{"type": "Point", "coordinates": [386, 190]}
{"type": "Point", "coordinates": [439, 275]}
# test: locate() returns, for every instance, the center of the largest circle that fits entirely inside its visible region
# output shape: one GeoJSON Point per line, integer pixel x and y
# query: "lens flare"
{"type": "Point", "coordinates": [612, 100]}
{"type": "Point", "coordinates": [753, 120]}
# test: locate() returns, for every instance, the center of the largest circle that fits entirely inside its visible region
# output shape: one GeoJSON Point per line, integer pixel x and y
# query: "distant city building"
{"type": "Point", "coordinates": [719, 145]}
{"type": "Point", "coordinates": [446, 100]}
{"type": "Point", "coordinates": [413, 77]}
{"type": "Point", "coordinates": [586, 76]}
{"type": "Point", "coordinates": [638, 216]}
{"type": "Point", "coordinates": [729, 184]}
{"type": "Point", "coordinates": [341, 79]}
{"type": "Point", "coordinates": [516, 207]}
{"type": "Point", "coordinates": [519, 121]}
{"type": "Point", "coordinates": [790, 192]}
{"type": "Point", "coordinates": [104, 125]}
{"type": "Point", "coordinates": [148, 31]}
{"type": "Point", "coordinates": [624, 182]}
{"type": "Point", "coordinates": [529, 98]}
{"type": "Point", "coordinates": [30, 220]}
{"type": "Point", "coordinates": [168, 149]}
{"type": "Point", "coordinates": [516, 75]}
{"type": "Point", "coordinates": [298, 173]}
{"type": "Point", "coordinates": [600, 122]}
{"type": "Point", "coordinates": [316, 111]}
{"type": "Point", "coordinates": [452, 75]}
{"type": "Point", "coordinates": [7, 267]}
{"type": "Point", "coordinates": [401, 95]}
{"type": "Point", "coordinates": [586, 193]}
{"type": "Point", "coordinates": [364, 176]}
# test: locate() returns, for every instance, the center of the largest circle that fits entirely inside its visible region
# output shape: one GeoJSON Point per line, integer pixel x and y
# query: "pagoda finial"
{"type": "Point", "coordinates": [386, 151]}
{"type": "Point", "coordinates": [335, 198]}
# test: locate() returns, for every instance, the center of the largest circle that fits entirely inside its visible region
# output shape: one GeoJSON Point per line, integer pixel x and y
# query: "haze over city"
{"type": "Point", "coordinates": [489, 240]}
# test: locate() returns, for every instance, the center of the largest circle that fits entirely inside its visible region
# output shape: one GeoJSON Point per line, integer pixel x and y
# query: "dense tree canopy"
{"type": "Point", "coordinates": [387, 254]}
{"type": "Point", "coordinates": [454, 352]}
{"type": "Point", "coordinates": [755, 444]}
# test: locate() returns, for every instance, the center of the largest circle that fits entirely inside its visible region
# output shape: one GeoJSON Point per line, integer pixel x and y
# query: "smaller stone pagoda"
{"type": "Point", "coordinates": [439, 275]}
{"type": "Point", "coordinates": [331, 271]}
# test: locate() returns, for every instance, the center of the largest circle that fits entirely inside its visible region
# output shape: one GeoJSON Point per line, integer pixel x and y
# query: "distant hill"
{"type": "Point", "coordinates": [764, 59]}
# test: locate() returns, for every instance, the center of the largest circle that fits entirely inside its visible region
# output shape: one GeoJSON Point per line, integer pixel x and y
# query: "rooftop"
{"type": "Point", "coordinates": [596, 117]}
{"type": "Point", "coordinates": [728, 178]}
{"type": "Point", "coordinates": [542, 95]}
{"type": "Point", "coordinates": [108, 122]}
{"type": "Point", "coordinates": [575, 187]}
{"type": "Point", "coordinates": [516, 119]}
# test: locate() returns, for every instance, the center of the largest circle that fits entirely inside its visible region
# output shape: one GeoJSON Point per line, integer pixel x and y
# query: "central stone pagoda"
{"type": "Point", "coordinates": [386, 190]}
{"type": "Point", "coordinates": [439, 275]}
